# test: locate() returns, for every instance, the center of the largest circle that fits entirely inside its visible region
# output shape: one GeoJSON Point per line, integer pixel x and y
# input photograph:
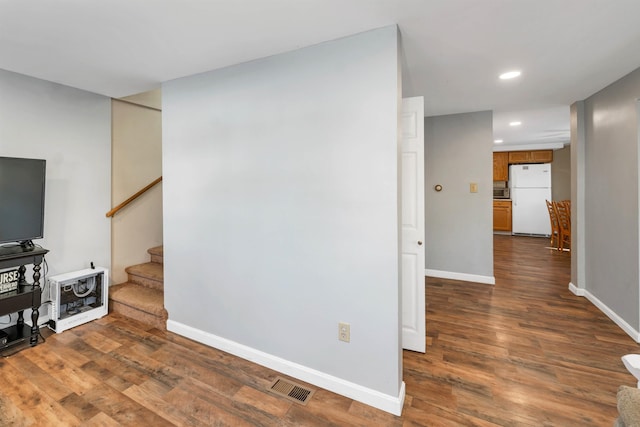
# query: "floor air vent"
{"type": "Point", "coordinates": [291, 391]}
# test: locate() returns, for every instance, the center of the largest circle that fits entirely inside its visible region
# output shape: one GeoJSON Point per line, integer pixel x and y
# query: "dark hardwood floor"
{"type": "Point", "coordinates": [525, 352]}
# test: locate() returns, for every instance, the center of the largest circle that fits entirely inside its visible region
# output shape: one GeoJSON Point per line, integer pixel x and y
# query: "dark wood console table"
{"type": "Point", "coordinates": [26, 296]}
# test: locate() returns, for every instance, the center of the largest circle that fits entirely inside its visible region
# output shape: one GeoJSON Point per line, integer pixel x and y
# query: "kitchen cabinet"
{"type": "Point", "coordinates": [542, 156]}
{"type": "Point", "coordinates": [501, 166]}
{"type": "Point", "coordinates": [502, 215]}
{"type": "Point", "coordinates": [535, 156]}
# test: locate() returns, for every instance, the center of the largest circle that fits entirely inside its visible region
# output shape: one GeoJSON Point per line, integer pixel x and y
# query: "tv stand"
{"type": "Point", "coordinates": [26, 296]}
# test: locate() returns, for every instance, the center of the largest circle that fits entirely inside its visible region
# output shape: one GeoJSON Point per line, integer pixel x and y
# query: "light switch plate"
{"type": "Point", "coordinates": [344, 332]}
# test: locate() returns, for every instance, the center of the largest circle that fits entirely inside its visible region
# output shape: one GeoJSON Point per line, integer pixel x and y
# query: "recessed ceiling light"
{"type": "Point", "coordinates": [515, 123]}
{"type": "Point", "coordinates": [510, 75]}
{"type": "Point", "coordinates": [498, 141]}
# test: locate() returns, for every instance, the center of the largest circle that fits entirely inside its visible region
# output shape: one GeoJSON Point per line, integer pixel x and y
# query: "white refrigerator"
{"type": "Point", "coordinates": [530, 186]}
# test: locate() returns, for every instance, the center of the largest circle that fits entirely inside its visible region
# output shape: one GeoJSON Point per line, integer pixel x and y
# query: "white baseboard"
{"type": "Point", "coordinates": [385, 402]}
{"type": "Point", "coordinates": [489, 280]}
{"type": "Point", "coordinates": [635, 335]}
{"type": "Point", "coordinates": [576, 290]}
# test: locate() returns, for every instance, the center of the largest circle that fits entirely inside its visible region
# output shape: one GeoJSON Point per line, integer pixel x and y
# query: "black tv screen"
{"type": "Point", "coordinates": [22, 183]}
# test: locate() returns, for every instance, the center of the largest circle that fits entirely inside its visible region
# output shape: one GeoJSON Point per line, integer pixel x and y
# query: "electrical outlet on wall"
{"type": "Point", "coordinates": [344, 332]}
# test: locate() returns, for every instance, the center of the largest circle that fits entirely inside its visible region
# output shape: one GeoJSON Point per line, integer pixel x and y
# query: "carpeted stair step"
{"type": "Point", "coordinates": [140, 303]}
{"type": "Point", "coordinates": [157, 254]}
{"type": "Point", "coordinates": [149, 274]}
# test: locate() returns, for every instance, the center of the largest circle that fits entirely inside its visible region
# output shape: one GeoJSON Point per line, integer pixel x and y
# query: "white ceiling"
{"type": "Point", "coordinates": [453, 49]}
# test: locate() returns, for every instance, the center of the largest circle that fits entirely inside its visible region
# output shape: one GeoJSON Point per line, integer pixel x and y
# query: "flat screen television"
{"type": "Point", "coordinates": [22, 185]}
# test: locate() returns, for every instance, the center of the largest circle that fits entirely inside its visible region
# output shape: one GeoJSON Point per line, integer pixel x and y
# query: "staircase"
{"type": "Point", "coordinates": [142, 296]}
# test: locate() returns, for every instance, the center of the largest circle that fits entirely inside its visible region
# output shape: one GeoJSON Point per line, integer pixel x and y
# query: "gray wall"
{"type": "Point", "coordinates": [561, 174]}
{"type": "Point", "coordinates": [611, 201]}
{"type": "Point", "coordinates": [281, 206]}
{"type": "Point", "coordinates": [71, 129]}
{"type": "Point", "coordinates": [459, 224]}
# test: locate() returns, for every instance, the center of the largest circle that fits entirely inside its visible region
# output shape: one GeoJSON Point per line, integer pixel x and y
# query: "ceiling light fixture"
{"type": "Point", "coordinates": [498, 141]}
{"type": "Point", "coordinates": [510, 75]}
{"type": "Point", "coordinates": [515, 123]}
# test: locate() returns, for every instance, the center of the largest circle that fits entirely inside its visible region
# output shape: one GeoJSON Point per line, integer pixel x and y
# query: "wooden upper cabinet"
{"type": "Point", "coordinates": [501, 166]}
{"type": "Point", "coordinates": [542, 156]}
{"type": "Point", "coordinates": [519, 156]}
{"type": "Point", "coordinates": [537, 156]}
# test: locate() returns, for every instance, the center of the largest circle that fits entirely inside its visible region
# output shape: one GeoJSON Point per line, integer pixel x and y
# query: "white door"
{"type": "Point", "coordinates": [413, 305]}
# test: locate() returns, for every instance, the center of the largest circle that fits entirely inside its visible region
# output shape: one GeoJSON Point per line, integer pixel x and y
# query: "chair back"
{"type": "Point", "coordinates": [555, 225]}
{"type": "Point", "coordinates": [563, 210]}
{"type": "Point", "coordinates": [564, 214]}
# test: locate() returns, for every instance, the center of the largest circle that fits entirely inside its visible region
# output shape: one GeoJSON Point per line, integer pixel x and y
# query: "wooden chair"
{"type": "Point", "coordinates": [568, 205]}
{"type": "Point", "coordinates": [563, 210]}
{"type": "Point", "coordinates": [555, 225]}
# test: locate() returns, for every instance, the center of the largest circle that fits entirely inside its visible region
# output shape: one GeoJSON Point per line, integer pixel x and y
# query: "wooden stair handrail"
{"type": "Point", "coordinates": [113, 211]}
